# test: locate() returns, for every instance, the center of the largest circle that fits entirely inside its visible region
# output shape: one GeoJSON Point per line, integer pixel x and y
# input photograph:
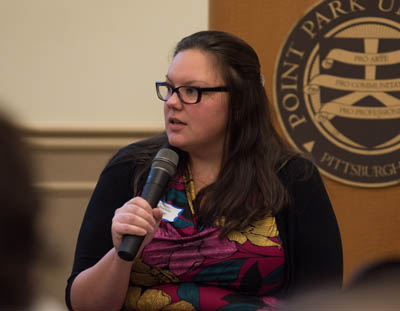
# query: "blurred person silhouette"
{"type": "Point", "coordinates": [20, 242]}
{"type": "Point", "coordinates": [20, 207]}
{"type": "Point", "coordinates": [376, 285]}
{"type": "Point", "coordinates": [382, 272]}
{"type": "Point", "coordinates": [373, 287]}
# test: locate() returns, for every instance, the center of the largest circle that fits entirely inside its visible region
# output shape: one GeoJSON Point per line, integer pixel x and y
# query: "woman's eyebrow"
{"type": "Point", "coordinates": [188, 83]}
{"type": "Point", "coordinates": [167, 79]}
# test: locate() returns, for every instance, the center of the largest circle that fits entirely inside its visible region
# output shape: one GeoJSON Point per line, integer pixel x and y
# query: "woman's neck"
{"type": "Point", "coordinates": [204, 170]}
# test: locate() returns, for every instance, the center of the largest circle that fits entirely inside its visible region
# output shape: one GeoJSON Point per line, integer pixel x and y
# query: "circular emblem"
{"type": "Point", "coordinates": [337, 90]}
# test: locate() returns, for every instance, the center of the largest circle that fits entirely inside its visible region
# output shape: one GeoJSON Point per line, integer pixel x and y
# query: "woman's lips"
{"type": "Point", "coordinates": [175, 124]}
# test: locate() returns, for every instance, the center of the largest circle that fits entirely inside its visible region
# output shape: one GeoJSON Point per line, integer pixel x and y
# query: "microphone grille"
{"type": "Point", "coordinates": [166, 159]}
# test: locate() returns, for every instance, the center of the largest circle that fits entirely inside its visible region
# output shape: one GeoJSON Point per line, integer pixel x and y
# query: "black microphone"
{"type": "Point", "coordinates": [162, 169]}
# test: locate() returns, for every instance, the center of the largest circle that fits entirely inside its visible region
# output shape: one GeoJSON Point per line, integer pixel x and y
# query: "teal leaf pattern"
{"type": "Point", "coordinates": [190, 292]}
{"type": "Point", "coordinates": [177, 196]}
{"type": "Point", "coordinates": [239, 307]}
{"type": "Point", "coordinates": [220, 271]}
{"type": "Point", "coordinates": [274, 277]}
{"type": "Point", "coordinates": [181, 223]}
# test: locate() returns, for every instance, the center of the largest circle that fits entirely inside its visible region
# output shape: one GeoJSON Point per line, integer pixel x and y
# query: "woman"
{"type": "Point", "coordinates": [255, 222]}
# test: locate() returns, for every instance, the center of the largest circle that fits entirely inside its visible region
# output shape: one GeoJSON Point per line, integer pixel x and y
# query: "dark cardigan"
{"type": "Point", "coordinates": [310, 232]}
{"type": "Point", "coordinates": [307, 227]}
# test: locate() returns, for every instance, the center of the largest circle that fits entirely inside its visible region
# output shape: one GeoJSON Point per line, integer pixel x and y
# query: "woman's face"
{"type": "Point", "coordinates": [197, 127]}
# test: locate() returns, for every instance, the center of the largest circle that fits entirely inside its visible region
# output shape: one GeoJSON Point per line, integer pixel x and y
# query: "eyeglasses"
{"type": "Point", "coordinates": [187, 94]}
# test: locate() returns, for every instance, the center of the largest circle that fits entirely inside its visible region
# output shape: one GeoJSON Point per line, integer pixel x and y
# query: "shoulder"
{"type": "Point", "coordinates": [302, 180]}
{"type": "Point", "coordinates": [296, 168]}
{"type": "Point", "coordinates": [304, 185]}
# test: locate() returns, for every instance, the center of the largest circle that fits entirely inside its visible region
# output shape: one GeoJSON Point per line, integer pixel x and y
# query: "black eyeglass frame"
{"type": "Point", "coordinates": [200, 91]}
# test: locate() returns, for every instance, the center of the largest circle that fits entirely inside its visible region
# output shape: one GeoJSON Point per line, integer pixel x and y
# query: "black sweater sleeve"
{"type": "Point", "coordinates": [113, 189]}
{"type": "Point", "coordinates": [310, 231]}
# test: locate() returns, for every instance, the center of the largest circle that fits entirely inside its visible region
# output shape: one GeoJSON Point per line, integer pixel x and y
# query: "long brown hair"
{"type": "Point", "coordinates": [248, 186]}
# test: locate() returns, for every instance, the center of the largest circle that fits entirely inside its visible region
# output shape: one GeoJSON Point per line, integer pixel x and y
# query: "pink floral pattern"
{"type": "Point", "coordinates": [184, 254]}
{"type": "Point", "coordinates": [191, 267]}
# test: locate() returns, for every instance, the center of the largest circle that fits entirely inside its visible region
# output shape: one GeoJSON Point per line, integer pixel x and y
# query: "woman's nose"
{"type": "Point", "coordinates": [174, 101]}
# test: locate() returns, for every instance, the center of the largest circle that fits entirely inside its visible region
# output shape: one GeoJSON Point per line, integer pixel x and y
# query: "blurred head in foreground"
{"type": "Point", "coordinates": [19, 208]}
{"type": "Point", "coordinates": [374, 287]}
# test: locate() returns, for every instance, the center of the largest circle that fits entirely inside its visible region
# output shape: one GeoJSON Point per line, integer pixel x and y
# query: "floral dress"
{"type": "Point", "coordinates": [187, 267]}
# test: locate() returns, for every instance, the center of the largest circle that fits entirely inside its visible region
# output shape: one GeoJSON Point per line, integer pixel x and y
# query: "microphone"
{"type": "Point", "coordinates": [162, 169]}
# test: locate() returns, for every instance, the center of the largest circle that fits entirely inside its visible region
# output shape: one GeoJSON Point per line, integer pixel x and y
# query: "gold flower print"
{"type": "Point", "coordinates": [258, 233]}
{"type": "Point", "coordinates": [180, 305]}
{"type": "Point", "coordinates": [132, 297]}
{"type": "Point", "coordinates": [153, 300]}
{"type": "Point", "coordinates": [144, 275]}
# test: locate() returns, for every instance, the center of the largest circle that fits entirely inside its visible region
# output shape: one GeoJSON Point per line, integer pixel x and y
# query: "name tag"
{"type": "Point", "coordinates": [170, 212]}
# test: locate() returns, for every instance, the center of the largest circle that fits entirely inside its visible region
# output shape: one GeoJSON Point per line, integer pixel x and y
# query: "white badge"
{"type": "Point", "coordinates": [170, 212]}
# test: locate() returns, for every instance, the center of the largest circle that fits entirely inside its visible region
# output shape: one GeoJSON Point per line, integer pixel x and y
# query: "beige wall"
{"type": "Point", "coordinates": [78, 76]}
{"type": "Point", "coordinates": [90, 63]}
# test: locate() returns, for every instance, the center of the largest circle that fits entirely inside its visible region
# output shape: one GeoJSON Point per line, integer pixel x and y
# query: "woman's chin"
{"type": "Point", "coordinates": [175, 141]}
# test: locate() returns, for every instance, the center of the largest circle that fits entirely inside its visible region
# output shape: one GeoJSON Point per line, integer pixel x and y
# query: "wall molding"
{"type": "Point", "coordinates": [63, 153]}
{"type": "Point", "coordinates": [84, 138]}
{"type": "Point", "coordinates": [73, 130]}
{"type": "Point", "coordinates": [65, 187]}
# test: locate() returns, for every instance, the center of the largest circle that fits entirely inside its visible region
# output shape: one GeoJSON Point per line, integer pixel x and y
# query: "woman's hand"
{"type": "Point", "coordinates": [135, 217]}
